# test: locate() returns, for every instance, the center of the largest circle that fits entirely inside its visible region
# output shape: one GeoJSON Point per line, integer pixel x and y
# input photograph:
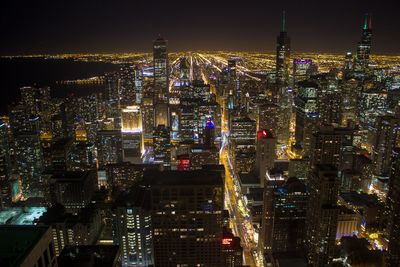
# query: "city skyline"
{"type": "Point", "coordinates": [201, 158]}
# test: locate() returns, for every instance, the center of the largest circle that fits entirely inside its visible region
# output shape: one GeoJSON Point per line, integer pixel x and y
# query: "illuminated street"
{"type": "Point", "coordinates": [200, 134]}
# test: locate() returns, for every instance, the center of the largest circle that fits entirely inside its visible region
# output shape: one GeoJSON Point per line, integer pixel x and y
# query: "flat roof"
{"type": "Point", "coordinates": [72, 176]}
{"type": "Point", "coordinates": [17, 241]}
{"type": "Point", "coordinates": [248, 178]}
{"type": "Point", "coordinates": [198, 177]}
{"type": "Point", "coordinates": [21, 216]}
{"type": "Point", "coordinates": [360, 199]}
{"type": "Point", "coordinates": [95, 255]}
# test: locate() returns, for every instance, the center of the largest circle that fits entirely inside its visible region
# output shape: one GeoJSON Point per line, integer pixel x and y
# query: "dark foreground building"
{"type": "Point", "coordinates": [26, 246]}
{"type": "Point", "coordinates": [187, 216]}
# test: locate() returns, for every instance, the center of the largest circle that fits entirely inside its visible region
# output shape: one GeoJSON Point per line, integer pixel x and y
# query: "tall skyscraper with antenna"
{"type": "Point", "coordinates": [282, 77]}
{"type": "Point", "coordinates": [282, 54]}
{"type": "Point", "coordinates": [364, 46]}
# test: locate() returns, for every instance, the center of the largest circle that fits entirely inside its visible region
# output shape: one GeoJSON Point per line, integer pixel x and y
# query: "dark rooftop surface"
{"type": "Point", "coordinates": [198, 177]}
{"type": "Point", "coordinates": [290, 259]}
{"type": "Point", "coordinates": [71, 176]}
{"type": "Point", "coordinates": [248, 178]}
{"type": "Point", "coordinates": [17, 241]}
{"type": "Point", "coordinates": [88, 256]}
{"type": "Point", "coordinates": [357, 199]}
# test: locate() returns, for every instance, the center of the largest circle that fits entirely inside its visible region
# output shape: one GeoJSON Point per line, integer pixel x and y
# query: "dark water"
{"type": "Point", "coordinates": [18, 72]}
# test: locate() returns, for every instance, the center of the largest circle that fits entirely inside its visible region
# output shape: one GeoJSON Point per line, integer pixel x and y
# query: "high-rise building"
{"type": "Point", "coordinates": [124, 175]}
{"type": "Point", "coordinates": [301, 69]}
{"type": "Point", "coordinates": [187, 216]}
{"type": "Point", "coordinates": [328, 99]}
{"type": "Point", "coordinates": [242, 143]}
{"type": "Point", "coordinates": [72, 229]}
{"type": "Point", "coordinates": [132, 134]}
{"type": "Point", "coordinates": [74, 190]}
{"type": "Point", "coordinates": [271, 183]}
{"type": "Point", "coordinates": [132, 229]}
{"type": "Point", "coordinates": [26, 246]}
{"type": "Point", "coordinates": [393, 209]}
{"type": "Point", "coordinates": [349, 61]}
{"type": "Point", "coordinates": [329, 143]}
{"type": "Point", "coordinates": [161, 73]}
{"type": "Point", "coordinates": [5, 166]}
{"type": "Point", "coordinates": [138, 80]}
{"type": "Point", "coordinates": [268, 117]}
{"type": "Point", "coordinates": [82, 157]}
{"type": "Point", "coordinates": [282, 54]}
{"type": "Point", "coordinates": [284, 220]}
{"type": "Point", "coordinates": [148, 118]}
{"type": "Point", "coordinates": [109, 145]}
{"type": "Point", "coordinates": [29, 98]}
{"type": "Point", "coordinates": [364, 46]}
{"type": "Point", "coordinates": [282, 78]}
{"type": "Point", "coordinates": [188, 127]}
{"type": "Point", "coordinates": [232, 251]}
{"type": "Point", "coordinates": [162, 145]}
{"type": "Point", "coordinates": [322, 214]}
{"type": "Point", "coordinates": [372, 103]}
{"type": "Point", "coordinates": [350, 92]}
{"type": "Point", "coordinates": [113, 96]}
{"type": "Point", "coordinates": [265, 153]}
{"type": "Point", "coordinates": [306, 114]}
{"type": "Point", "coordinates": [184, 72]}
{"type": "Point", "coordinates": [29, 161]}
{"type": "Point", "coordinates": [209, 134]}
{"type": "Point", "coordinates": [202, 155]}
{"type": "Point", "coordinates": [161, 114]}
{"type": "Point", "coordinates": [383, 144]}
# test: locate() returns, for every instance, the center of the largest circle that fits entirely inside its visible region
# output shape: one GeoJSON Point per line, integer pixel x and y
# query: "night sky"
{"type": "Point", "coordinates": [63, 26]}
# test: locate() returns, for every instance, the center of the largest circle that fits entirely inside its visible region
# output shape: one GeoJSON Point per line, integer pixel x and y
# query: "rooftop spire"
{"type": "Point", "coordinates": [284, 21]}
{"type": "Point", "coordinates": [370, 22]}
{"type": "Point", "coordinates": [366, 22]}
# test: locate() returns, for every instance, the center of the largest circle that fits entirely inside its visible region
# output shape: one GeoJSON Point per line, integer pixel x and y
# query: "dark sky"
{"type": "Point", "coordinates": [63, 26]}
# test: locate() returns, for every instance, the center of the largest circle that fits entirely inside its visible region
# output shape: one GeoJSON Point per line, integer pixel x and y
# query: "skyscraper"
{"type": "Point", "coordinates": [322, 215]}
{"type": "Point", "coordinates": [284, 217]}
{"type": "Point", "coordinates": [29, 160]}
{"type": "Point", "coordinates": [5, 166]}
{"type": "Point", "coordinates": [393, 209]}
{"type": "Point", "coordinates": [383, 144]}
{"type": "Point", "coordinates": [161, 73]}
{"type": "Point", "coordinates": [132, 228]}
{"type": "Point", "coordinates": [242, 143]}
{"type": "Point", "coordinates": [187, 216]}
{"type": "Point", "coordinates": [265, 153]}
{"type": "Point", "coordinates": [364, 46]}
{"type": "Point", "coordinates": [162, 145]}
{"type": "Point", "coordinates": [138, 76]}
{"type": "Point", "coordinates": [306, 114]}
{"type": "Point", "coordinates": [282, 54]}
{"type": "Point", "coordinates": [132, 134]}
{"type": "Point", "coordinates": [109, 144]}
{"type": "Point", "coordinates": [329, 143]}
{"type": "Point", "coordinates": [282, 77]}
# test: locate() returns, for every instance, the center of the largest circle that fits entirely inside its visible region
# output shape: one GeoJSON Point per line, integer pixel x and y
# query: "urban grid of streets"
{"type": "Point", "coordinates": [202, 65]}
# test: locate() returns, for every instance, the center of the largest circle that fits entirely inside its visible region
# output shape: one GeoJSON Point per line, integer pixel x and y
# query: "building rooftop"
{"type": "Point", "coordinates": [21, 216]}
{"type": "Point", "coordinates": [289, 259]}
{"type": "Point", "coordinates": [208, 176]}
{"type": "Point", "coordinates": [17, 241]}
{"type": "Point", "coordinates": [89, 256]}
{"type": "Point", "coordinates": [248, 178]}
{"type": "Point", "coordinates": [360, 199]}
{"type": "Point", "coordinates": [71, 176]}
